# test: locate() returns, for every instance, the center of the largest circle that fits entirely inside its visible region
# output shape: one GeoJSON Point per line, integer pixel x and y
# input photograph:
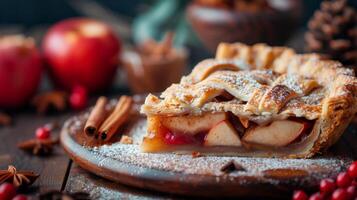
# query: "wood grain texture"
{"type": "Point", "coordinates": [279, 183]}
{"type": "Point", "coordinates": [99, 188]}
{"type": "Point", "coordinates": [51, 168]}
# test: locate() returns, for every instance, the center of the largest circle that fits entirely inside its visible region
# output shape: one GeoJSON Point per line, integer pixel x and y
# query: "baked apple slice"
{"type": "Point", "coordinates": [222, 134]}
{"type": "Point", "coordinates": [192, 124]}
{"type": "Point", "coordinates": [244, 122]}
{"type": "Point", "coordinates": [292, 106]}
{"type": "Point", "coordinates": [277, 134]}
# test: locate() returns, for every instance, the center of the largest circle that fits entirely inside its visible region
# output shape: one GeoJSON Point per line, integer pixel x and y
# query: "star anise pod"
{"type": "Point", "coordinates": [54, 99]}
{"type": "Point", "coordinates": [17, 178]}
{"type": "Point", "coordinates": [37, 146]}
{"type": "Point", "coordinates": [58, 195]}
{"type": "Point", "coordinates": [5, 119]}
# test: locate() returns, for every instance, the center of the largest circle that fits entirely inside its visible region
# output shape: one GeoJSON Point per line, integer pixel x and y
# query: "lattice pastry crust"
{"type": "Point", "coordinates": [265, 84]}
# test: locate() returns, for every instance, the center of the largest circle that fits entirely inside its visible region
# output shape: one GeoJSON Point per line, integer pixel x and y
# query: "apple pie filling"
{"type": "Point", "coordinates": [222, 130]}
{"type": "Point", "coordinates": [253, 101]}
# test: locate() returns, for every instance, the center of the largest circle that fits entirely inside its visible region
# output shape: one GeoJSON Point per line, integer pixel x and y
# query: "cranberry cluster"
{"type": "Point", "coordinates": [8, 192]}
{"type": "Point", "coordinates": [343, 188]}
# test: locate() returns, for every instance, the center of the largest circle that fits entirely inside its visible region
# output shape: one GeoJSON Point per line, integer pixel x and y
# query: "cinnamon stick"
{"type": "Point", "coordinates": [96, 117]}
{"type": "Point", "coordinates": [117, 118]}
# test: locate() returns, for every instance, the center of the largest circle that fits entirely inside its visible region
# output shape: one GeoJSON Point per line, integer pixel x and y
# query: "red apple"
{"type": "Point", "coordinates": [82, 51]}
{"type": "Point", "coordinates": [20, 70]}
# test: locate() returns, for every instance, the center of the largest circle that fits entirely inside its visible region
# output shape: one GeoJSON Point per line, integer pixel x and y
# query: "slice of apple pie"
{"type": "Point", "coordinates": [253, 101]}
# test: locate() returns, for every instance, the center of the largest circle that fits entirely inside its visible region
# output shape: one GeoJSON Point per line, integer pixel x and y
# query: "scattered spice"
{"type": "Point", "coordinates": [5, 119]}
{"type": "Point", "coordinates": [39, 147]}
{"type": "Point", "coordinates": [58, 195]}
{"type": "Point", "coordinates": [53, 99]}
{"type": "Point", "coordinates": [232, 166]}
{"type": "Point", "coordinates": [117, 118]}
{"type": "Point", "coordinates": [17, 178]}
{"type": "Point", "coordinates": [196, 154]}
{"type": "Point", "coordinates": [96, 117]}
{"type": "Point", "coordinates": [126, 139]}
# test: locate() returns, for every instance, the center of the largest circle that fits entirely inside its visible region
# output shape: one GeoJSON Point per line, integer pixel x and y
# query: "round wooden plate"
{"type": "Point", "coordinates": [209, 176]}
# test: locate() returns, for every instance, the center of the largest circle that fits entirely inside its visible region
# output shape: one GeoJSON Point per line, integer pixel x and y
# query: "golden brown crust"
{"type": "Point", "coordinates": [339, 105]}
{"type": "Point", "coordinates": [283, 84]}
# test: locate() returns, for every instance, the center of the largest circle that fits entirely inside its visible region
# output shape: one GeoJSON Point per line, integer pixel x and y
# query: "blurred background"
{"type": "Point", "coordinates": [32, 16]}
{"type": "Point", "coordinates": [157, 37]}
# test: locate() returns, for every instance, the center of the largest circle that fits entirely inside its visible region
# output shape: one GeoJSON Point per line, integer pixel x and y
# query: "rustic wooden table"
{"type": "Point", "coordinates": [57, 172]}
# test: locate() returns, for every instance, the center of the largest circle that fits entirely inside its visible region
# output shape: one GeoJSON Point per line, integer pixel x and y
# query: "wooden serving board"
{"type": "Point", "coordinates": [203, 175]}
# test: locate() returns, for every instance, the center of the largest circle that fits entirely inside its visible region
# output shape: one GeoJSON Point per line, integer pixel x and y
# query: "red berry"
{"type": "Point", "coordinates": [78, 98]}
{"type": "Point", "coordinates": [352, 192]}
{"type": "Point", "coordinates": [20, 197]}
{"type": "Point", "coordinates": [327, 186]}
{"type": "Point", "coordinates": [178, 139]}
{"type": "Point", "coordinates": [339, 194]}
{"type": "Point", "coordinates": [316, 196]}
{"type": "Point", "coordinates": [7, 191]}
{"type": "Point", "coordinates": [343, 180]}
{"type": "Point", "coordinates": [42, 133]}
{"type": "Point", "coordinates": [352, 170]}
{"type": "Point", "coordinates": [300, 195]}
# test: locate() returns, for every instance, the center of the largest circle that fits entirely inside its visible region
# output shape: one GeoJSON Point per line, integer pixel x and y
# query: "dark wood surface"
{"type": "Point", "coordinates": [204, 182]}
{"type": "Point", "coordinates": [54, 168]}
{"type": "Point", "coordinates": [57, 172]}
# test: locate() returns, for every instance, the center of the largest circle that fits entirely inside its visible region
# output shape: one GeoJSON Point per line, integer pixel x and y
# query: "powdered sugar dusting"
{"type": "Point", "coordinates": [206, 165]}
{"type": "Point", "coordinates": [192, 98]}
{"type": "Point", "coordinates": [98, 189]}
{"type": "Point", "coordinates": [317, 168]}
{"type": "Point", "coordinates": [293, 82]}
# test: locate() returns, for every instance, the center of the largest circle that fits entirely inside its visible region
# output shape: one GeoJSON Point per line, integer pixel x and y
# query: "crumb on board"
{"type": "Point", "coordinates": [126, 140]}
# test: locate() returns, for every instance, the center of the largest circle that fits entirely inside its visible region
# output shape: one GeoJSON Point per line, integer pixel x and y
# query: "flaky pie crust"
{"type": "Point", "coordinates": [267, 83]}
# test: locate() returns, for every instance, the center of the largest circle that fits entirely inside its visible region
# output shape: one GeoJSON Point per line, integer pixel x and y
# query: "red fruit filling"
{"type": "Point", "coordinates": [177, 138]}
{"type": "Point", "coordinates": [183, 139]}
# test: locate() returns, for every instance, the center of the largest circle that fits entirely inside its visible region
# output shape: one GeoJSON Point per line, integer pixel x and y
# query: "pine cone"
{"type": "Point", "coordinates": [333, 32]}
